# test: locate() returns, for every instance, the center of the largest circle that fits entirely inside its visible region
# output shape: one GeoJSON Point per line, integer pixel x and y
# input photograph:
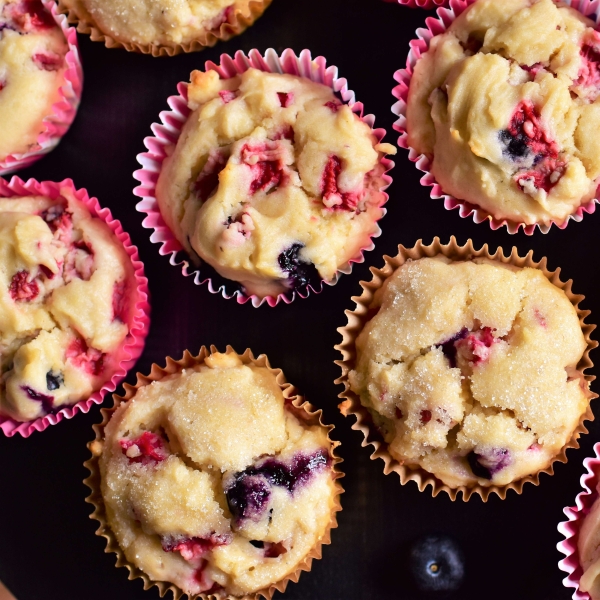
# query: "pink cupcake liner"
{"type": "Point", "coordinates": [446, 16]}
{"type": "Point", "coordinates": [140, 322]}
{"type": "Point", "coordinates": [427, 4]}
{"type": "Point", "coordinates": [63, 111]}
{"type": "Point", "coordinates": [570, 527]}
{"type": "Point", "coordinates": [167, 133]}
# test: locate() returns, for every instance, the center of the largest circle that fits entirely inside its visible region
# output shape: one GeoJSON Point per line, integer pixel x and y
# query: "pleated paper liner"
{"type": "Point", "coordinates": [168, 131]}
{"type": "Point", "coordinates": [57, 123]}
{"type": "Point", "coordinates": [301, 408]}
{"type": "Point", "coordinates": [571, 527]}
{"type": "Point", "coordinates": [351, 405]}
{"type": "Point", "coordinates": [133, 344]}
{"type": "Point", "coordinates": [426, 4]}
{"type": "Point", "coordinates": [447, 13]}
{"type": "Point", "coordinates": [237, 22]}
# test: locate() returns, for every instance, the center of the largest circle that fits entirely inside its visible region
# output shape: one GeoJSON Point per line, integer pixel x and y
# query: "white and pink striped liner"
{"type": "Point", "coordinates": [427, 4]}
{"type": "Point", "coordinates": [570, 527]}
{"type": "Point", "coordinates": [446, 15]}
{"type": "Point", "coordinates": [140, 322]}
{"type": "Point", "coordinates": [64, 111]}
{"type": "Point", "coordinates": [167, 133]}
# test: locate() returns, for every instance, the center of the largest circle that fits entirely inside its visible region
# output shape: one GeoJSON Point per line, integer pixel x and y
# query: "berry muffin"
{"type": "Point", "coordinates": [32, 71]}
{"type": "Point", "coordinates": [469, 368]}
{"type": "Point", "coordinates": [505, 105]}
{"type": "Point", "coordinates": [274, 182]}
{"type": "Point", "coordinates": [163, 26]}
{"type": "Point", "coordinates": [214, 480]}
{"type": "Point", "coordinates": [588, 547]}
{"type": "Point", "coordinates": [67, 289]}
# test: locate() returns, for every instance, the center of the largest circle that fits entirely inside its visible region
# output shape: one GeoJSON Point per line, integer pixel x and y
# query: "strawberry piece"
{"type": "Point", "coordinates": [425, 416]}
{"type": "Point", "coordinates": [30, 15]}
{"type": "Point", "coordinates": [89, 360]}
{"type": "Point", "coordinates": [285, 99]}
{"type": "Point", "coordinates": [227, 96]}
{"type": "Point", "coordinates": [589, 73]}
{"type": "Point", "coordinates": [266, 163]}
{"type": "Point", "coordinates": [544, 176]}
{"type": "Point", "coordinates": [148, 448]}
{"type": "Point", "coordinates": [48, 61]}
{"type": "Point", "coordinates": [332, 196]}
{"type": "Point", "coordinates": [194, 547]}
{"type": "Point", "coordinates": [333, 105]}
{"type": "Point", "coordinates": [21, 289]}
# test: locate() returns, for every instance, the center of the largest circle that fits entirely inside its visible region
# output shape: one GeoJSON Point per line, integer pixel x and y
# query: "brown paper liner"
{"type": "Point", "coordinates": [357, 318]}
{"type": "Point", "coordinates": [301, 408]}
{"type": "Point", "coordinates": [239, 21]}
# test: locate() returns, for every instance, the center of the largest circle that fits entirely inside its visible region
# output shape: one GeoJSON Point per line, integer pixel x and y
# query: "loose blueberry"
{"type": "Point", "coordinates": [437, 565]}
{"type": "Point", "coordinates": [54, 380]}
{"type": "Point", "coordinates": [300, 273]}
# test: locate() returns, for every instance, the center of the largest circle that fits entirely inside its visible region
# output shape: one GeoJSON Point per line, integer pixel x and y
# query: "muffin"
{"type": "Point", "coordinates": [273, 182]}
{"type": "Point", "coordinates": [32, 71]}
{"type": "Point", "coordinates": [67, 291]}
{"type": "Point", "coordinates": [163, 26]}
{"type": "Point", "coordinates": [469, 368]}
{"type": "Point", "coordinates": [505, 106]}
{"type": "Point", "coordinates": [215, 479]}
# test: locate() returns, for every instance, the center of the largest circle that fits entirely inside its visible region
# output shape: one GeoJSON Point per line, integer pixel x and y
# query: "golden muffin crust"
{"type": "Point", "coordinates": [469, 369]}
{"type": "Point", "coordinates": [211, 483]}
{"type": "Point", "coordinates": [506, 102]}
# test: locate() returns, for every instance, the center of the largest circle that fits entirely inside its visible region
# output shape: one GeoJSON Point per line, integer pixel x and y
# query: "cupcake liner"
{"type": "Point", "coordinates": [570, 528]}
{"type": "Point", "coordinates": [357, 318]}
{"type": "Point", "coordinates": [446, 16]}
{"type": "Point", "coordinates": [140, 320]}
{"type": "Point", "coordinates": [167, 133]}
{"type": "Point", "coordinates": [63, 111]}
{"type": "Point", "coordinates": [237, 22]}
{"type": "Point", "coordinates": [295, 403]}
{"type": "Point", "coordinates": [426, 4]}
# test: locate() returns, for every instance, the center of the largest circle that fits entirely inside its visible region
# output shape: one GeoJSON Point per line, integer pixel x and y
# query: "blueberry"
{"type": "Point", "coordinates": [437, 565]}
{"type": "Point", "coordinates": [249, 495]}
{"type": "Point", "coordinates": [54, 380]}
{"type": "Point", "coordinates": [486, 465]}
{"type": "Point", "coordinates": [448, 347]}
{"type": "Point", "coordinates": [515, 146]}
{"type": "Point", "coordinates": [300, 273]}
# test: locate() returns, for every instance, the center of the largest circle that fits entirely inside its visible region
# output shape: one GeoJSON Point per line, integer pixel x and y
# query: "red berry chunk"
{"type": "Point", "coordinates": [148, 448]}
{"type": "Point", "coordinates": [474, 348]}
{"type": "Point", "coordinates": [589, 73]}
{"type": "Point", "coordinates": [48, 61]}
{"type": "Point", "coordinates": [193, 548]}
{"type": "Point", "coordinates": [88, 359]}
{"type": "Point", "coordinates": [332, 196]}
{"type": "Point", "coordinates": [274, 549]}
{"type": "Point", "coordinates": [425, 416]}
{"type": "Point", "coordinates": [208, 179]}
{"type": "Point", "coordinates": [265, 161]}
{"type": "Point", "coordinates": [119, 302]}
{"type": "Point", "coordinates": [2, 84]}
{"type": "Point", "coordinates": [227, 96]}
{"type": "Point", "coordinates": [30, 15]}
{"type": "Point", "coordinates": [526, 124]}
{"type": "Point", "coordinates": [333, 105]}
{"type": "Point", "coordinates": [544, 176]}
{"type": "Point", "coordinates": [21, 289]}
{"type": "Point", "coordinates": [220, 19]}
{"type": "Point", "coordinates": [285, 99]}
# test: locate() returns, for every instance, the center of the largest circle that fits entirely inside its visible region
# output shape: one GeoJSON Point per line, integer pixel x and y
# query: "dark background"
{"type": "Point", "coordinates": [48, 549]}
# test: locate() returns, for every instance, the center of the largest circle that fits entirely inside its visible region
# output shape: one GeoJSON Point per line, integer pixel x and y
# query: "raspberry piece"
{"type": "Point", "coordinates": [266, 163]}
{"type": "Point", "coordinates": [332, 197]}
{"type": "Point", "coordinates": [45, 400]}
{"type": "Point", "coordinates": [589, 73]}
{"type": "Point", "coordinates": [333, 105]}
{"type": "Point", "coordinates": [195, 547]}
{"type": "Point", "coordinates": [30, 15]}
{"type": "Point", "coordinates": [274, 549]}
{"type": "Point", "coordinates": [21, 289]}
{"type": "Point", "coordinates": [300, 273]}
{"type": "Point", "coordinates": [285, 99]}
{"type": "Point", "coordinates": [208, 179]}
{"type": "Point", "coordinates": [79, 262]}
{"type": "Point", "coordinates": [487, 464]}
{"type": "Point", "coordinates": [471, 347]}
{"type": "Point", "coordinates": [287, 133]}
{"type": "Point", "coordinates": [425, 416]}
{"type": "Point", "coordinates": [2, 84]}
{"type": "Point", "coordinates": [227, 96]}
{"type": "Point", "coordinates": [544, 176]}
{"type": "Point", "coordinates": [149, 448]}
{"type": "Point", "coordinates": [215, 24]}
{"type": "Point", "coordinates": [89, 360]}
{"type": "Point", "coordinates": [119, 302]}
{"type": "Point", "coordinates": [48, 61]}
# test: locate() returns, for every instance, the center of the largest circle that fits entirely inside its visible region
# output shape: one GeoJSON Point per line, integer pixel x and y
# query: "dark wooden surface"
{"type": "Point", "coordinates": [48, 549]}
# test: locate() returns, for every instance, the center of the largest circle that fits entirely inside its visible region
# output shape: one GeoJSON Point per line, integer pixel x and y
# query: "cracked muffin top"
{"type": "Point", "coordinates": [588, 547]}
{"type": "Point", "coordinates": [32, 66]}
{"type": "Point", "coordinates": [469, 369]}
{"type": "Point", "coordinates": [213, 482]}
{"type": "Point", "coordinates": [160, 22]}
{"type": "Point", "coordinates": [506, 104]}
{"type": "Point", "coordinates": [274, 182]}
{"type": "Point", "coordinates": [66, 285]}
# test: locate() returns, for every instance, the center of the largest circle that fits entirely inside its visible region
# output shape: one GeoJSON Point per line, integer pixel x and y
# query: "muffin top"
{"type": "Point", "coordinates": [65, 287]}
{"type": "Point", "coordinates": [211, 481]}
{"type": "Point", "coordinates": [161, 22]}
{"type": "Point", "coordinates": [588, 546]}
{"type": "Point", "coordinates": [469, 369]}
{"type": "Point", "coordinates": [506, 103]}
{"type": "Point", "coordinates": [273, 182]}
{"type": "Point", "coordinates": [32, 66]}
